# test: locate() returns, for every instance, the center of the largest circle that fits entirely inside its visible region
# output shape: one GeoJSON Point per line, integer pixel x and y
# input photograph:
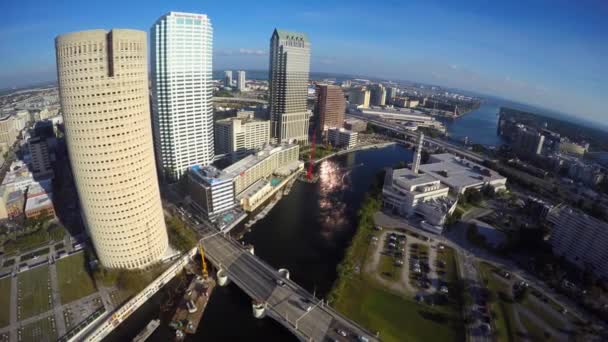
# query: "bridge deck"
{"type": "Point", "coordinates": [291, 305]}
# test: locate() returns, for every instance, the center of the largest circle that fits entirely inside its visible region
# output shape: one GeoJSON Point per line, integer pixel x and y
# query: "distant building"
{"type": "Point", "coordinates": [41, 157]}
{"type": "Point", "coordinates": [360, 97]}
{"type": "Point", "coordinates": [241, 81]}
{"type": "Point", "coordinates": [211, 190]}
{"type": "Point", "coordinates": [240, 136]}
{"type": "Point", "coordinates": [341, 137]}
{"type": "Point", "coordinates": [331, 106]}
{"type": "Point", "coordinates": [580, 238]}
{"type": "Point", "coordinates": [378, 95]}
{"type": "Point", "coordinates": [570, 147]}
{"type": "Point", "coordinates": [228, 78]}
{"type": "Point", "coordinates": [528, 141]}
{"type": "Point", "coordinates": [288, 86]}
{"type": "Point", "coordinates": [355, 125]}
{"type": "Point", "coordinates": [391, 93]}
{"type": "Point", "coordinates": [461, 174]}
{"type": "Point", "coordinates": [8, 132]}
{"type": "Point", "coordinates": [401, 116]}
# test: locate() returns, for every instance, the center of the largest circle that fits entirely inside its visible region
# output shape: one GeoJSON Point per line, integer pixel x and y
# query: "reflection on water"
{"type": "Point", "coordinates": [331, 207]}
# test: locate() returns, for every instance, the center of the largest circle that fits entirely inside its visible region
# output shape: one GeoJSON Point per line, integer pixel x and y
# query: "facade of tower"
{"type": "Point", "coordinates": [228, 78]}
{"type": "Point", "coordinates": [181, 47]}
{"type": "Point", "coordinates": [103, 89]}
{"type": "Point", "coordinates": [288, 85]}
{"type": "Point", "coordinates": [331, 105]}
{"type": "Point", "coordinates": [241, 81]}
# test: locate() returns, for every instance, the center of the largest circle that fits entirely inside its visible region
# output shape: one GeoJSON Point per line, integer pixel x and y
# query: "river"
{"type": "Point", "coordinates": [478, 125]}
{"type": "Point", "coordinates": [307, 232]}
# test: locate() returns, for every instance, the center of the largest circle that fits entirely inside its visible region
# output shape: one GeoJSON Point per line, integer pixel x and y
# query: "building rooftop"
{"type": "Point", "coordinates": [283, 34]}
{"type": "Point", "coordinates": [208, 174]}
{"type": "Point", "coordinates": [248, 162]}
{"type": "Point", "coordinates": [38, 202]}
{"type": "Point", "coordinates": [457, 172]}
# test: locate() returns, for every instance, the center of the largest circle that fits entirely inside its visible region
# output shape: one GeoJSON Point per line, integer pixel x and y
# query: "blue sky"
{"type": "Point", "coordinates": [551, 53]}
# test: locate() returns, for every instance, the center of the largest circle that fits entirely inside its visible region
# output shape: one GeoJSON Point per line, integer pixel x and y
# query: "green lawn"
{"type": "Point", "coordinates": [395, 317]}
{"type": "Point", "coordinates": [5, 301]}
{"type": "Point", "coordinates": [34, 290]}
{"type": "Point", "coordinates": [74, 280]}
{"type": "Point", "coordinates": [502, 311]}
{"type": "Point", "coordinates": [535, 333]}
{"type": "Point", "coordinates": [42, 330]}
{"type": "Point", "coordinates": [387, 268]}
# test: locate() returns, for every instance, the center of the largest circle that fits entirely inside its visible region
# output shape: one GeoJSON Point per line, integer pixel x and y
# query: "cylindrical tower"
{"type": "Point", "coordinates": [103, 88]}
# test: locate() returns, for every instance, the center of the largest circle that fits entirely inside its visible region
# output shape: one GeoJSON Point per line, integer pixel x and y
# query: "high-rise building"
{"type": "Point", "coordinates": [330, 106]}
{"type": "Point", "coordinates": [8, 132]}
{"type": "Point", "coordinates": [341, 137]}
{"type": "Point", "coordinates": [182, 92]}
{"type": "Point", "coordinates": [103, 88]}
{"type": "Point", "coordinates": [41, 157]}
{"type": "Point", "coordinates": [360, 97]}
{"type": "Point", "coordinates": [228, 78]}
{"type": "Point", "coordinates": [378, 95]}
{"type": "Point", "coordinates": [288, 85]}
{"type": "Point", "coordinates": [391, 93]}
{"type": "Point", "coordinates": [241, 81]}
{"type": "Point", "coordinates": [241, 135]}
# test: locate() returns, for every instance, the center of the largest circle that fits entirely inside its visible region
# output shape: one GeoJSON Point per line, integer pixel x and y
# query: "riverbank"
{"type": "Point", "coordinates": [355, 149]}
{"type": "Point", "coordinates": [362, 298]}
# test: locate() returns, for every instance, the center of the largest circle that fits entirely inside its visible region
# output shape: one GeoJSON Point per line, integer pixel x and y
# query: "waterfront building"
{"type": "Point", "coordinates": [211, 190]}
{"type": "Point", "coordinates": [241, 81]}
{"type": "Point", "coordinates": [579, 238]}
{"type": "Point", "coordinates": [241, 135]}
{"type": "Point", "coordinates": [360, 97]}
{"type": "Point", "coordinates": [288, 86]}
{"type": "Point", "coordinates": [331, 106]}
{"type": "Point", "coordinates": [103, 88]}
{"type": "Point", "coordinates": [228, 78]}
{"type": "Point", "coordinates": [40, 157]}
{"type": "Point", "coordinates": [401, 116]}
{"type": "Point", "coordinates": [461, 174]}
{"type": "Point", "coordinates": [378, 95]}
{"type": "Point", "coordinates": [355, 125]}
{"type": "Point", "coordinates": [182, 88]}
{"type": "Point", "coordinates": [341, 137]}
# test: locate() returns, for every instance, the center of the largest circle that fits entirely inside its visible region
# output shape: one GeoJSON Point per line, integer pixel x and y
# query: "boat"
{"type": "Point", "coordinates": [192, 305]}
{"type": "Point", "coordinates": [147, 331]}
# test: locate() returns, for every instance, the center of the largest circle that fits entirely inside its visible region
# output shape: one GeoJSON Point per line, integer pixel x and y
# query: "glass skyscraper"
{"type": "Point", "coordinates": [182, 90]}
{"type": "Point", "coordinates": [288, 85]}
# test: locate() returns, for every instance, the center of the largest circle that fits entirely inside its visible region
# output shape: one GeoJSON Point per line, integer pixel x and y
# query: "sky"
{"type": "Point", "coordinates": [549, 53]}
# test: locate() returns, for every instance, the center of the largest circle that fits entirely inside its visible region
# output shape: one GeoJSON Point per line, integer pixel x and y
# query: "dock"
{"type": "Point", "coordinates": [192, 305]}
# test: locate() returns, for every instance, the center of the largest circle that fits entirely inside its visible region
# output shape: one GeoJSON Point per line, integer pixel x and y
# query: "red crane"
{"type": "Point", "coordinates": [311, 160]}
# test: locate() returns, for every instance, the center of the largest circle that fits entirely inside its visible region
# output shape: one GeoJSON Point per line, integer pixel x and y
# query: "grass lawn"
{"type": "Point", "coordinates": [42, 330]}
{"type": "Point", "coordinates": [387, 268]}
{"type": "Point", "coordinates": [74, 280]}
{"type": "Point", "coordinates": [33, 286]}
{"type": "Point", "coordinates": [502, 310]}
{"type": "Point", "coordinates": [395, 317]}
{"type": "Point", "coordinates": [5, 301]}
{"type": "Point", "coordinates": [541, 313]}
{"type": "Point", "coordinates": [535, 333]}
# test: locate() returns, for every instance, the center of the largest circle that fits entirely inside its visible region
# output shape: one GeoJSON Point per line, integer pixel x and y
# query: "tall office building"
{"type": "Point", "coordinates": [391, 93]}
{"type": "Point", "coordinates": [241, 82]}
{"type": "Point", "coordinates": [41, 157]}
{"type": "Point", "coordinates": [288, 85]}
{"type": "Point", "coordinates": [360, 97]}
{"type": "Point", "coordinates": [103, 88]}
{"type": "Point", "coordinates": [330, 106]}
{"type": "Point", "coordinates": [228, 78]}
{"type": "Point", "coordinates": [241, 135]}
{"type": "Point", "coordinates": [182, 87]}
{"type": "Point", "coordinates": [378, 95]}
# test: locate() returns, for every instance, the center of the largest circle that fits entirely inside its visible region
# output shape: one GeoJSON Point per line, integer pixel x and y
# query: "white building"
{"type": "Point", "coordinates": [241, 81]}
{"type": "Point", "coordinates": [580, 238]}
{"type": "Point", "coordinates": [461, 174]}
{"type": "Point", "coordinates": [408, 193]}
{"type": "Point", "coordinates": [240, 136]}
{"type": "Point", "coordinates": [211, 190]}
{"type": "Point", "coordinates": [341, 137]}
{"type": "Point", "coordinates": [181, 50]}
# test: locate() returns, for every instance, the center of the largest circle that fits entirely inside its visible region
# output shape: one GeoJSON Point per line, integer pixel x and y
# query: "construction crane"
{"type": "Point", "coordinates": [311, 161]}
{"type": "Point", "coordinates": [203, 263]}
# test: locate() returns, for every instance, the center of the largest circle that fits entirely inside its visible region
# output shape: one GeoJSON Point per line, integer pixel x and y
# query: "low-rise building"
{"type": "Point", "coordinates": [579, 238]}
{"type": "Point", "coordinates": [341, 137]}
{"type": "Point", "coordinates": [355, 125]}
{"type": "Point", "coordinates": [39, 205]}
{"type": "Point", "coordinates": [211, 191]}
{"type": "Point", "coordinates": [398, 115]}
{"type": "Point", "coordinates": [461, 174]}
